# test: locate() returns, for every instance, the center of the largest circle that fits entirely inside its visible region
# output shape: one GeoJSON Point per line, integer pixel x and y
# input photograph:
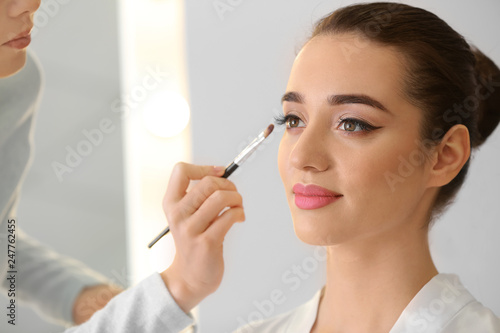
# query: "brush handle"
{"type": "Point", "coordinates": [163, 233]}
{"type": "Point", "coordinates": [230, 169]}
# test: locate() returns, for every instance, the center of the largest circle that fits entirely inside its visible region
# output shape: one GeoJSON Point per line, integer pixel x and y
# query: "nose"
{"type": "Point", "coordinates": [310, 152]}
{"type": "Point", "coordinates": [19, 7]}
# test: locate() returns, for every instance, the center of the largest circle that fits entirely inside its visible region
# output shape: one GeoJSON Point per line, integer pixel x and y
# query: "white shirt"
{"type": "Point", "coordinates": [442, 305]}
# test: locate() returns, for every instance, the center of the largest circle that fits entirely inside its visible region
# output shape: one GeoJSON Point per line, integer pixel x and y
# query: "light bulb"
{"type": "Point", "coordinates": [166, 114]}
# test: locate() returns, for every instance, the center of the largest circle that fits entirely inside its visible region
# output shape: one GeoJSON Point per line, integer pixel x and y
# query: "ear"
{"type": "Point", "coordinates": [450, 156]}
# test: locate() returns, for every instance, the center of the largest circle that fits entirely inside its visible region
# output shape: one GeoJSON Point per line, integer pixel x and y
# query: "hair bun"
{"type": "Point", "coordinates": [488, 92]}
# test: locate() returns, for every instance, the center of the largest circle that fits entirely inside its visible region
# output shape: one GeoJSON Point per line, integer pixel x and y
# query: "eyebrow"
{"type": "Point", "coordinates": [333, 100]}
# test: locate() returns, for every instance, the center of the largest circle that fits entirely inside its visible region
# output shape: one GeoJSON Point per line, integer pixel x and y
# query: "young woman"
{"type": "Point", "coordinates": [376, 84]}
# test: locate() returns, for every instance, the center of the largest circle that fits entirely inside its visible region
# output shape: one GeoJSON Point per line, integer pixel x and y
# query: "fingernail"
{"type": "Point", "coordinates": [219, 170]}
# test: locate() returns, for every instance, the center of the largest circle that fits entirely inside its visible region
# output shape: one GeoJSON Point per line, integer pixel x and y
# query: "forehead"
{"type": "Point", "coordinates": [342, 64]}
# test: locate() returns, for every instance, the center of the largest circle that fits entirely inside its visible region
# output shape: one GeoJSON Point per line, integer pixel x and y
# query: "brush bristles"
{"type": "Point", "coordinates": [268, 130]}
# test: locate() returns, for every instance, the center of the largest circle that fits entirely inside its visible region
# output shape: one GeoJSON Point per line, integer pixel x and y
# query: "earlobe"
{"type": "Point", "coordinates": [450, 156]}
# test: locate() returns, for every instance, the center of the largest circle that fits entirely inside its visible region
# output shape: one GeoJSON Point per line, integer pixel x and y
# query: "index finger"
{"type": "Point", "coordinates": [183, 173]}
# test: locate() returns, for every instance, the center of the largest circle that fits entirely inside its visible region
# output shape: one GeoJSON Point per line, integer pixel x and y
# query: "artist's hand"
{"type": "Point", "coordinates": [92, 299]}
{"type": "Point", "coordinates": [198, 228]}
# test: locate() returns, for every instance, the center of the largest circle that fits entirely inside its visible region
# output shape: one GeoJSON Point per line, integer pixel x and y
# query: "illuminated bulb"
{"type": "Point", "coordinates": [166, 114]}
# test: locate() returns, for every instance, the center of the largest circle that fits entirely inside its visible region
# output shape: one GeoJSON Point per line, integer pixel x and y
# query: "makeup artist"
{"type": "Point", "coordinates": [63, 289]}
{"type": "Point", "coordinates": [54, 285]}
{"type": "Point", "coordinates": [66, 291]}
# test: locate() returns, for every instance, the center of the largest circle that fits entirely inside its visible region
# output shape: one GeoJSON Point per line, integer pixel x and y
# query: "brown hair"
{"type": "Point", "coordinates": [450, 81]}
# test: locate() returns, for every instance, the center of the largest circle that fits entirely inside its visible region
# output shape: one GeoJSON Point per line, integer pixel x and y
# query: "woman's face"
{"type": "Point", "coordinates": [16, 22]}
{"type": "Point", "coordinates": [350, 132]}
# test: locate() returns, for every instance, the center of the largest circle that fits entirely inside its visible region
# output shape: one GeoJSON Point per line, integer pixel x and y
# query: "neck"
{"type": "Point", "coordinates": [371, 281]}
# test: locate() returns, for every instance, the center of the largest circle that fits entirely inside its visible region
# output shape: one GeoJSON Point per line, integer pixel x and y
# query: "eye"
{"type": "Point", "coordinates": [290, 120]}
{"type": "Point", "coordinates": [355, 125]}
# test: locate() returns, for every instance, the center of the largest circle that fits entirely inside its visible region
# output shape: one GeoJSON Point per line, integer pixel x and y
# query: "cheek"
{"type": "Point", "coordinates": [390, 180]}
{"type": "Point", "coordinates": [283, 157]}
{"type": "Point", "coordinates": [404, 170]}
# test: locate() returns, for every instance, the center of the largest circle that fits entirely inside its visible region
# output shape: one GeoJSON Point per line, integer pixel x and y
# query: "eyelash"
{"type": "Point", "coordinates": [365, 127]}
{"type": "Point", "coordinates": [282, 119]}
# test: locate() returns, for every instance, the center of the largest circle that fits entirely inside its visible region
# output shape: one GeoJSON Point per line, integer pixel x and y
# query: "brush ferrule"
{"type": "Point", "coordinates": [242, 157]}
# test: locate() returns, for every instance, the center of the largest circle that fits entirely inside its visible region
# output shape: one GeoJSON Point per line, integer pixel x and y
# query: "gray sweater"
{"type": "Point", "coordinates": [49, 281]}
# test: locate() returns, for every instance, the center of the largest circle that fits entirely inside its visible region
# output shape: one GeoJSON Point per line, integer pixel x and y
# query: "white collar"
{"type": "Point", "coordinates": [429, 311]}
{"type": "Point", "coordinates": [434, 306]}
{"type": "Point", "coordinates": [305, 316]}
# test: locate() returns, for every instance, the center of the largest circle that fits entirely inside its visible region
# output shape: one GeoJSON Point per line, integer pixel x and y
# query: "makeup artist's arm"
{"type": "Point", "coordinates": [198, 230]}
{"type": "Point", "coordinates": [50, 282]}
{"type": "Point", "coordinates": [161, 303]}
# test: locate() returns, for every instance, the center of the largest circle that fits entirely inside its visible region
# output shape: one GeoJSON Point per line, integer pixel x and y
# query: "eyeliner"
{"type": "Point", "coordinates": [239, 160]}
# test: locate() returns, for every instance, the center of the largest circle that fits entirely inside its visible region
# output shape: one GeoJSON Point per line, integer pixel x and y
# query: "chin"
{"type": "Point", "coordinates": [12, 63]}
{"type": "Point", "coordinates": [314, 233]}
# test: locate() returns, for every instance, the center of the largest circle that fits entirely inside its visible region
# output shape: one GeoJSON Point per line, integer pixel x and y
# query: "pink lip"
{"type": "Point", "coordinates": [313, 196]}
{"type": "Point", "coordinates": [21, 41]}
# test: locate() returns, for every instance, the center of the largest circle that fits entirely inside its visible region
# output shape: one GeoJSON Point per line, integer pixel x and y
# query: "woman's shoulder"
{"type": "Point", "coordinates": [474, 317]}
{"type": "Point", "coordinates": [300, 319]}
{"type": "Point", "coordinates": [445, 305]}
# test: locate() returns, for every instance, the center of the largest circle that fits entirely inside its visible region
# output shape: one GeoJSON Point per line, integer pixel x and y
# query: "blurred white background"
{"type": "Point", "coordinates": [235, 57]}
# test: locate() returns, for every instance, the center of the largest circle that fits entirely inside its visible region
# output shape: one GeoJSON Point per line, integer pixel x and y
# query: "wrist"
{"type": "Point", "coordinates": [185, 298]}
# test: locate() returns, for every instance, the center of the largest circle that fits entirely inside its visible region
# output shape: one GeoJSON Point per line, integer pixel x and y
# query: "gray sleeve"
{"type": "Point", "coordinates": [147, 308]}
{"type": "Point", "coordinates": [48, 281]}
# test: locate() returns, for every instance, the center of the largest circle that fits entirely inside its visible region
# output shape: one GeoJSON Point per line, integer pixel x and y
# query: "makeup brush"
{"type": "Point", "coordinates": [242, 157]}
